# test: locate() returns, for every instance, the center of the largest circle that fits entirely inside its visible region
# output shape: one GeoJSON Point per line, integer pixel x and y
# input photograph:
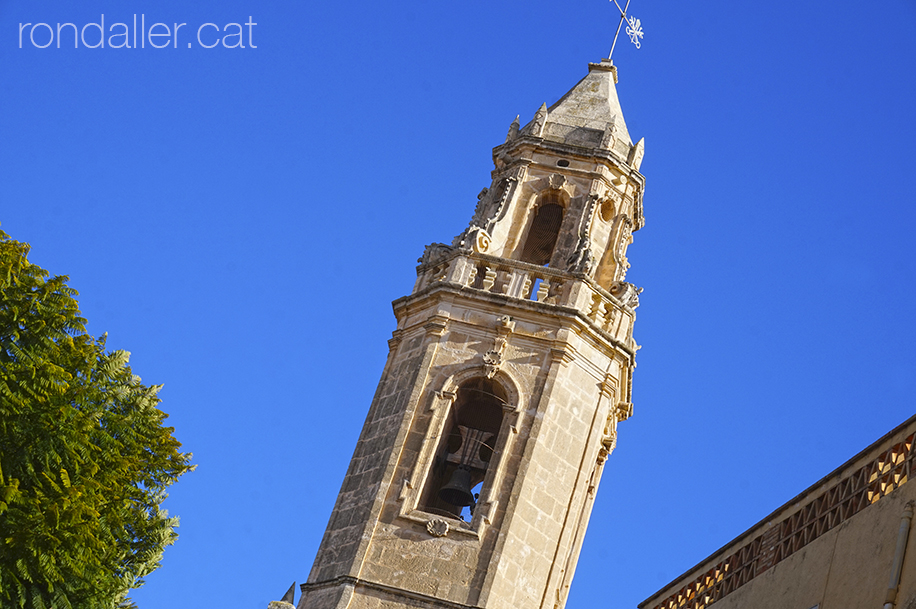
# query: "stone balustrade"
{"type": "Point", "coordinates": [524, 281]}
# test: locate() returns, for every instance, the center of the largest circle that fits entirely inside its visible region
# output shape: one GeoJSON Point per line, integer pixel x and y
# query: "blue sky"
{"type": "Point", "coordinates": [240, 220]}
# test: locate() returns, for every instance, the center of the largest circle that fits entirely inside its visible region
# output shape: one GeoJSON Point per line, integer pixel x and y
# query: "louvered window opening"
{"type": "Point", "coordinates": [542, 237]}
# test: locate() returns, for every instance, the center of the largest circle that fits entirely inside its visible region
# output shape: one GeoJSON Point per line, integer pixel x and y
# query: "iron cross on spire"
{"type": "Point", "coordinates": [634, 27]}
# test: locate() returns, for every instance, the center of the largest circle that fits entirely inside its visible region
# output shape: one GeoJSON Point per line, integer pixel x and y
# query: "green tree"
{"type": "Point", "coordinates": [84, 456]}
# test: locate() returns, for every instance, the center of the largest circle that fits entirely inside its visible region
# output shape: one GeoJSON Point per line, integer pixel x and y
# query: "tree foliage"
{"type": "Point", "coordinates": [84, 456]}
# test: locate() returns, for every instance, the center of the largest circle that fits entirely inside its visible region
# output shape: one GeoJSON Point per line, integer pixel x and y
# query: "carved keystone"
{"type": "Point", "coordinates": [437, 527]}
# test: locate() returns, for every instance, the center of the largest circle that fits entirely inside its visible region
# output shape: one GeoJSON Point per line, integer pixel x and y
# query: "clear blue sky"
{"type": "Point", "coordinates": [240, 219]}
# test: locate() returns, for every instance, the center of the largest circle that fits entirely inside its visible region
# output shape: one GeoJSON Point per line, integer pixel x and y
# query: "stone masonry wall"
{"type": "Point", "coordinates": [365, 476]}
{"type": "Point", "coordinates": [516, 551]}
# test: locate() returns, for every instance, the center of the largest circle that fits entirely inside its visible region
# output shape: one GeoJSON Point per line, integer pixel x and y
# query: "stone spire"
{"type": "Point", "coordinates": [587, 111]}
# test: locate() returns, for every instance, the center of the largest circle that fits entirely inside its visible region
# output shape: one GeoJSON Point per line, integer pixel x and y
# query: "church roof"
{"type": "Point", "coordinates": [589, 110]}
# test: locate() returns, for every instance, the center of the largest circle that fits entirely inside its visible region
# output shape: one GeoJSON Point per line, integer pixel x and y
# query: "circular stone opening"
{"type": "Point", "coordinates": [607, 210]}
{"type": "Point", "coordinates": [562, 163]}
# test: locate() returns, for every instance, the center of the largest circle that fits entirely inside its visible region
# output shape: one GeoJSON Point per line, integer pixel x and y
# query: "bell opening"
{"type": "Point", "coordinates": [466, 449]}
{"type": "Point", "coordinates": [458, 489]}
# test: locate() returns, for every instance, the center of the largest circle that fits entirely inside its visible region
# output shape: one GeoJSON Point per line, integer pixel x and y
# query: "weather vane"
{"type": "Point", "coordinates": [634, 27]}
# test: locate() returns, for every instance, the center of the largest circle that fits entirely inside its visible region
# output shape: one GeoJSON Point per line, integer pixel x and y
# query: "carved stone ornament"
{"type": "Point", "coordinates": [493, 358]}
{"type": "Point", "coordinates": [602, 455]}
{"type": "Point", "coordinates": [513, 130]}
{"type": "Point", "coordinates": [434, 252]}
{"type": "Point", "coordinates": [609, 137]}
{"type": "Point", "coordinates": [557, 181]}
{"type": "Point", "coordinates": [636, 154]}
{"type": "Point", "coordinates": [581, 260]}
{"type": "Point", "coordinates": [536, 126]}
{"type": "Point", "coordinates": [609, 441]}
{"type": "Point", "coordinates": [437, 527]}
{"type": "Point", "coordinates": [624, 238]}
{"type": "Point", "coordinates": [491, 207]}
{"type": "Point", "coordinates": [481, 241]}
{"type": "Point", "coordinates": [626, 293]}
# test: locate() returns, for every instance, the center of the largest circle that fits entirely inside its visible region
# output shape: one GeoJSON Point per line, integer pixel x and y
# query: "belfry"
{"type": "Point", "coordinates": [473, 478]}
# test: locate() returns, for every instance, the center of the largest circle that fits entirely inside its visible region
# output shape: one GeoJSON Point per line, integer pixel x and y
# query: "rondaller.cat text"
{"type": "Point", "coordinates": [136, 35]}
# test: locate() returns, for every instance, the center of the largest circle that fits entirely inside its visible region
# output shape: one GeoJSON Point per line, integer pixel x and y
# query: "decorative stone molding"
{"type": "Point", "coordinates": [603, 454]}
{"type": "Point", "coordinates": [554, 181]}
{"type": "Point", "coordinates": [481, 241]}
{"type": "Point", "coordinates": [406, 487]}
{"type": "Point", "coordinates": [491, 207]}
{"type": "Point", "coordinates": [609, 138]}
{"type": "Point", "coordinates": [443, 398]}
{"type": "Point", "coordinates": [396, 337]}
{"type": "Point", "coordinates": [626, 293]}
{"type": "Point", "coordinates": [434, 253]}
{"type": "Point", "coordinates": [436, 325]}
{"type": "Point", "coordinates": [636, 154]}
{"type": "Point", "coordinates": [557, 181]}
{"type": "Point", "coordinates": [536, 127]}
{"type": "Point", "coordinates": [513, 130]}
{"type": "Point", "coordinates": [608, 387]}
{"type": "Point", "coordinates": [437, 527]}
{"type": "Point", "coordinates": [609, 434]}
{"type": "Point", "coordinates": [622, 236]}
{"type": "Point", "coordinates": [582, 260]}
{"type": "Point", "coordinates": [561, 355]}
{"type": "Point", "coordinates": [609, 442]}
{"type": "Point", "coordinates": [487, 511]}
{"type": "Point", "coordinates": [493, 358]}
{"type": "Point", "coordinates": [623, 411]}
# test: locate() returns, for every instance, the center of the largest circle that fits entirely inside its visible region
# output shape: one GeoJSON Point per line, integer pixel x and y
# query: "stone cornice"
{"type": "Point", "coordinates": [501, 303]}
{"type": "Point", "coordinates": [356, 582]}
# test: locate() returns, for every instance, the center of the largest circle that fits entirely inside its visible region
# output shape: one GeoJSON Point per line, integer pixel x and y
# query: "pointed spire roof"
{"type": "Point", "coordinates": [589, 114]}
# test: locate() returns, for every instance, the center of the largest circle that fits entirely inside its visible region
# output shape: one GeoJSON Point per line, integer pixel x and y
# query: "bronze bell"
{"type": "Point", "coordinates": [458, 490]}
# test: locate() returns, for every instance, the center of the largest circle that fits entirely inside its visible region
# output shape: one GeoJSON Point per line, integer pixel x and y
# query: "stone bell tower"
{"type": "Point", "coordinates": [511, 365]}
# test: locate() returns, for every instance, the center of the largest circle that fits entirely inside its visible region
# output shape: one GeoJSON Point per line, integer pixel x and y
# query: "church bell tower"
{"type": "Point", "coordinates": [473, 478]}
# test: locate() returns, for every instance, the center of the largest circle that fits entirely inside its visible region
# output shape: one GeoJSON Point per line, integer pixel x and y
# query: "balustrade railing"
{"type": "Point", "coordinates": [523, 281]}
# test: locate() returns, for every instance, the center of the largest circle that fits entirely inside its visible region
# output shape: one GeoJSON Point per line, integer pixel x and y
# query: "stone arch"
{"type": "Point", "coordinates": [472, 436]}
{"type": "Point", "coordinates": [547, 215]}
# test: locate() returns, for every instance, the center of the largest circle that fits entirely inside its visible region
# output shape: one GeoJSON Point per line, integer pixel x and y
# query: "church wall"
{"type": "Point", "coordinates": [847, 568]}
{"type": "Point", "coordinates": [833, 546]}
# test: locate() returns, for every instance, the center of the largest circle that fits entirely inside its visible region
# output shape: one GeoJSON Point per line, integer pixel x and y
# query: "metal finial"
{"type": "Point", "coordinates": [634, 27]}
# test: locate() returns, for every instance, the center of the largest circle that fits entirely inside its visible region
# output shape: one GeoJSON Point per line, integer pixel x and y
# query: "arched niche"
{"type": "Point", "coordinates": [471, 440]}
{"type": "Point", "coordinates": [544, 230]}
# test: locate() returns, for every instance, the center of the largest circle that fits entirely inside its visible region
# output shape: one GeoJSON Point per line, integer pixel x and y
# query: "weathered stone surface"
{"type": "Point", "coordinates": [550, 343]}
{"type": "Point", "coordinates": [832, 546]}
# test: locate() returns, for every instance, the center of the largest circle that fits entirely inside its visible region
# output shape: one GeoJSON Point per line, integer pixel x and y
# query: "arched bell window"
{"type": "Point", "coordinates": [466, 448]}
{"type": "Point", "coordinates": [545, 228]}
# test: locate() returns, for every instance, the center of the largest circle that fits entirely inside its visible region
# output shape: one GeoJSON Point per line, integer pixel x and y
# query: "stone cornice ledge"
{"type": "Point", "coordinates": [349, 580]}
